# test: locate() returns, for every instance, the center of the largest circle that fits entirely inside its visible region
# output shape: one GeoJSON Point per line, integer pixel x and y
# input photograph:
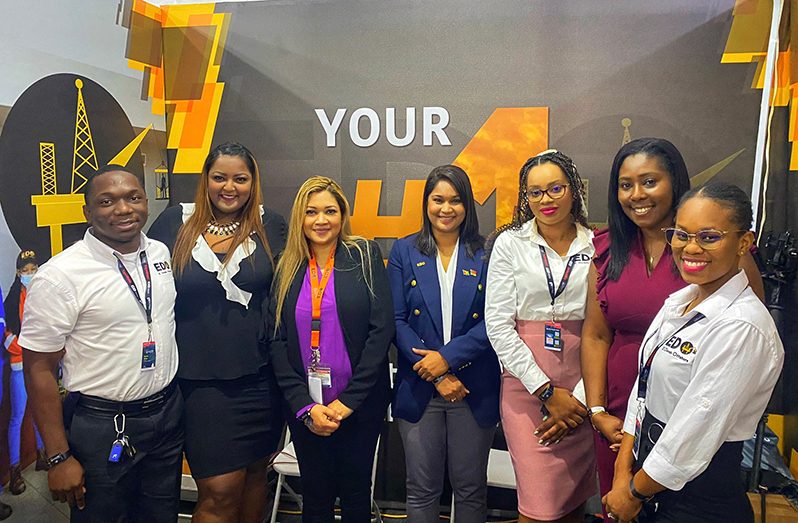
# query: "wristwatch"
{"type": "Point", "coordinates": [439, 378]}
{"type": "Point", "coordinates": [593, 411]}
{"type": "Point", "coordinates": [305, 417]}
{"type": "Point", "coordinates": [635, 493]}
{"type": "Point", "coordinates": [547, 393]}
{"type": "Point", "coordinates": [58, 458]}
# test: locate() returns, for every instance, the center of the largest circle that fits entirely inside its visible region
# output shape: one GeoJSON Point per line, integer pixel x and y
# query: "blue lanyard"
{"type": "Point", "coordinates": [147, 305]}
{"type": "Point", "coordinates": [645, 370]}
{"type": "Point", "coordinates": [550, 277]}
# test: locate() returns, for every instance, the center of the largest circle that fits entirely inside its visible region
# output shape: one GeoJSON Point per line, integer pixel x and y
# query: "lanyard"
{"type": "Point", "coordinates": [550, 277]}
{"type": "Point", "coordinates": [317, 293]}
{"type": "Point", "coordinates": [645, 370]}
{"type": "Point", "coordinates": [147, 305]}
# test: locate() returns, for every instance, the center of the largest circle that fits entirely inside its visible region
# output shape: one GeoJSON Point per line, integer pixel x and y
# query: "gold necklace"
{"type": "Point", "coordinates": [222, 229]}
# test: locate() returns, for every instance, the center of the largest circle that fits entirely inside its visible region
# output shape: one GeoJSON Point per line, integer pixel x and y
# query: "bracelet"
{"type": "Point", "coordinates": [58, 458]}
{"type": "Point", "coordinates": [547, 393]}
{"type": "Point", "coordinates": [636, 494]}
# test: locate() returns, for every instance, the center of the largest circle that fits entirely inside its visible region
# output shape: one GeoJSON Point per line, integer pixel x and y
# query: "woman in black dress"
{"type": "Point", "coordinates": [222, 255]}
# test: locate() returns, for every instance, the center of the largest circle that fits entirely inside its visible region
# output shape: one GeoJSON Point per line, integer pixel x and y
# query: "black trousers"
{"type": "Point", "coordinates": [144, 489]}
{"type": "Point", "coordinates": [337, 466]}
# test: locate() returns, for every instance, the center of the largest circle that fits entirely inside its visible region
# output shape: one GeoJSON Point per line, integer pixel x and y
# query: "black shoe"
{"type": "Point", "coordinates": [5, 511]}
{"type": "Point", "coordinates": [16, 484]}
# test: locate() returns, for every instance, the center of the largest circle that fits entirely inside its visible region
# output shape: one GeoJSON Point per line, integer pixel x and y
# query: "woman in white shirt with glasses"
{"type": "Point", "coordinates": [708, 366]}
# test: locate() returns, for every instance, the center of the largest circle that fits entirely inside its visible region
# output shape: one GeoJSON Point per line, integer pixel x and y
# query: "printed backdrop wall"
{"type": "Point", "coordinates": [375, 94]}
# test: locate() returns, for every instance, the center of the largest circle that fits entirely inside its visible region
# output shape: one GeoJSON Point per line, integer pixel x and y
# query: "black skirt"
{"type": "Point", "coordinates": [717, 495]}
{"type": "Point", "coordinates": [230, 424]}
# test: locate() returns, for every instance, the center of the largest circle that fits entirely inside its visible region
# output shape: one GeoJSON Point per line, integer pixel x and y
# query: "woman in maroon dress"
{"type": "Point", "coordinates": [633, 273]}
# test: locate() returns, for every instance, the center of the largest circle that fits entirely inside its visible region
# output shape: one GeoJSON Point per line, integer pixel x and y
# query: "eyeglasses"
{"type": "Point", "coordinates": [708, 239]}
{"type": "Point", "coordinates": [555, 192]}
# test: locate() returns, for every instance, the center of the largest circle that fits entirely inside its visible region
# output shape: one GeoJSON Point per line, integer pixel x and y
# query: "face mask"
{"type": "Point", "coordinates": [25, 279]}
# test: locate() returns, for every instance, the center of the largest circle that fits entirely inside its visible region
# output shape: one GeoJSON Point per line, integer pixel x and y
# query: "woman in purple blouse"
{"type": "Point", "coordinates": [333, 323]}
{"type": "Point", "coordinates": [632, 274]}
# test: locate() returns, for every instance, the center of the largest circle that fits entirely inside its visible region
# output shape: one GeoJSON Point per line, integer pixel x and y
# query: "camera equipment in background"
{"type": "Point", "coordinates": [778, 262]}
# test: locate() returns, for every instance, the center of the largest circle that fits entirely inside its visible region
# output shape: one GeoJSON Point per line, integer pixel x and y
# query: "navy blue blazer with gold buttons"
{"type": "Point", "coordinates": [417, 311]}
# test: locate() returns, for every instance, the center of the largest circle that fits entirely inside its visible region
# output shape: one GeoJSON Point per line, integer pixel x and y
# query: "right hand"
{"type": "Point", "coordinates": [451, 389]}
{"type": "Point", "coordinates": [610, 427]}
{"type": "Point", "coordinates": [565, 414]}
{"type": "Point", "coordinates": [325, 420]}
{"type": "Point", "coordinates": [65, 481]}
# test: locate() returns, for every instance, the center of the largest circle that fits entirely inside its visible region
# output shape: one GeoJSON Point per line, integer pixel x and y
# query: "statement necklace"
{"type": "Point", "coordinates": [219, 229]}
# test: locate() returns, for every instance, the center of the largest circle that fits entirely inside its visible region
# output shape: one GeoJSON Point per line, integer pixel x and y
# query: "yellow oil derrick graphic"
{"type": "Point", "coordinates": [55, 210]}
{"type": "Point", "coordinates": [47, 161]}
{"type": "Point", "coordinates": [84, 156]}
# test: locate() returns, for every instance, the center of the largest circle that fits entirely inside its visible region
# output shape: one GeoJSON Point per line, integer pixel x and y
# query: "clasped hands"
{"type": "Point", "coordinates": [565, 413]}
{"type": "Point", "coordinates": [619, 501]}
{"type": "Point", "coordinates": [430, 366]}
{"type": "Point", "coordinates": [325, 419]}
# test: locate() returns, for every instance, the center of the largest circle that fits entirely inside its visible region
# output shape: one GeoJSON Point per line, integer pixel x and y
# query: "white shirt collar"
{"type": "Point", "coordinates": [207, 259]}
{"type": "Point", "coordinates": [582, 240]}
{"type": "Point", "coordinates": [716, 303]}
{"type": "Point", "coordinates": [97, 246]}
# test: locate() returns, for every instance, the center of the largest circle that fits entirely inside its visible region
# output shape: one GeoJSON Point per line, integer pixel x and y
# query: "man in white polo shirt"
{"type": "Point", "coordinates": [104, 308]}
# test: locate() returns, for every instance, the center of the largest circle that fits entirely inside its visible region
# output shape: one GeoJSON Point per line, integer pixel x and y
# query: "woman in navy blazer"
{"type": "Point", "coordinates": [447, 384]}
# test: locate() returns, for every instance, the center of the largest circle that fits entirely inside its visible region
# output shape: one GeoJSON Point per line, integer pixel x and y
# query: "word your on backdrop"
{"type": "Point", "coordinates": [433, 122]}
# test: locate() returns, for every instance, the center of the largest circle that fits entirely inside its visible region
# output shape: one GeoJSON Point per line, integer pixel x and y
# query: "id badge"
{"type": "Point", "coordinates": [314, 388]}
{"type": "Point", "coordinates": [552, 336]}
{"type": "Point", "coordinates": [148, 355]}
{"type": "Point", "coordinates": [324, 374]}
{"type": "Point", "coordinates": [641, 411]}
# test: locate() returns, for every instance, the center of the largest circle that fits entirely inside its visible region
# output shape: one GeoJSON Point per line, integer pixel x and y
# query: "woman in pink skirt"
{"type": "Point", "coordinates": [536, 289]}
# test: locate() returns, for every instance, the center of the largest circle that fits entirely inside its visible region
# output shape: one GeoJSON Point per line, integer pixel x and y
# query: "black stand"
{"type": "Point", "coordinates": [778, 271]}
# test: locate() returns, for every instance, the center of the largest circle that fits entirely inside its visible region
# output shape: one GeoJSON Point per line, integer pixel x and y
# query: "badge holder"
{"type": "Point", "coordinates": [148, 352]}
{"type": "Point", "coordinates": [319, 377]}
{"type": "Point", "coordinates": [552, 334]}
{"type": "Point", "coordinates": [641, 409]}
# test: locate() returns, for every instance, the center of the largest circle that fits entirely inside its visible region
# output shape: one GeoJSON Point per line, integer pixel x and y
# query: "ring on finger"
{"type": "Point", "coordinates": [612, 516]}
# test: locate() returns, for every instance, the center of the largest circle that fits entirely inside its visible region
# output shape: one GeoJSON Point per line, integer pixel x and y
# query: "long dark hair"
{"type": "Point", "coordinates": [469, 229]}
{"type": "Point", "coordinates": [523, 212]}
{"type": "Point", "coordinates": [251, 220]}
{"type": "Point", "coordinates": [623, 231]}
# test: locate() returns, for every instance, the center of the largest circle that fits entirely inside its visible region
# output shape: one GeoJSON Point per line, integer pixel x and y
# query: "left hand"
{"type": "Point", "coordinates": [432, 364]}
{"type": "Point", "coordinates": [340, 408]}
{"type": "Point", "coordinates": [620, 503]}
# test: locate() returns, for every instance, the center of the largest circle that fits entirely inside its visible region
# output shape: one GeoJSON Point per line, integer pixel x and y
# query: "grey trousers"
{"type": "Point", "coordinates": [446, 433]}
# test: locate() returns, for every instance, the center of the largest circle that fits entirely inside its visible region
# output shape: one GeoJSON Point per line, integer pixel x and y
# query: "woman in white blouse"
{"type": "Point", "coordinates": [708, 366]}
{"type": "Point", "coordinates": [536, 289]}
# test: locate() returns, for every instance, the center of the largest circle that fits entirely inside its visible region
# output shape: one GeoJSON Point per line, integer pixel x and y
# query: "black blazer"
{"type": "Point", "coordinates": [368, 326]}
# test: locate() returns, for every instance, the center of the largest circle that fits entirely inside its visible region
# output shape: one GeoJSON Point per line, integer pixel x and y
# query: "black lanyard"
{"type": "Point", "coordinates": [645, 370]}
{"type": "Point", "coordinates": [550, 277]}
{"type": "Point", "coordinates": [147, 305]}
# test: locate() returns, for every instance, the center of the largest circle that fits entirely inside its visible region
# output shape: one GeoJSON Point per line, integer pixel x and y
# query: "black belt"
{"type": "Point", "coordinates": [132, 408]}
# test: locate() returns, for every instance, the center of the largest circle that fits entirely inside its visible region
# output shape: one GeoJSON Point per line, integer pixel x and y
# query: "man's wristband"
{"type": "Point", "coordinates": [58, 458]}
{"type": "Point", "coordinates": [547, 393]}
{"type": "Point", "coordinates": [635, 493]}
{"type": "Point", "coordinates": [439, 378]}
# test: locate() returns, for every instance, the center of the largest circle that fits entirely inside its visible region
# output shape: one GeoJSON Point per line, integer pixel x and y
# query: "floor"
{"type": "Point", "coordinates": [35, 504]}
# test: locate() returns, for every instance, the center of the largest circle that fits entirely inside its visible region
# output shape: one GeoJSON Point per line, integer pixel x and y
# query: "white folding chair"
{"type": "Point", "coordinates": [285, 464]}
{"type": "Point", "coordinates": [500, 473]}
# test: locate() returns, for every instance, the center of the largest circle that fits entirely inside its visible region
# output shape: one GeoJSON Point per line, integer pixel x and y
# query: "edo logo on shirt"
{"type": "Point", "coordinates": [162, 267]}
